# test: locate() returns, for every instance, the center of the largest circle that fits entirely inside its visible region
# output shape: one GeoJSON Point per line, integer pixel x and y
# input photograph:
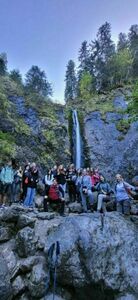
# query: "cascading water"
{"type": "Point", "coordinates": [77, 140]}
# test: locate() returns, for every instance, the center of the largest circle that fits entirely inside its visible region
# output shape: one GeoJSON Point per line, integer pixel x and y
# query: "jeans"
{"type": "Point", "coordinates": [123, 207]}
{"type": "Point", "coordinates": [101, 203]}
{"type": "Point", "coordinates": [29, 197]}
{"type": "Point", "coordinates": [84, 197]}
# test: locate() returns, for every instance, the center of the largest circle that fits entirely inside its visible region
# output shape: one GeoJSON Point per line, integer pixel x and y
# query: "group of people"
{"type": "Point", "coordinates": [20, 185]}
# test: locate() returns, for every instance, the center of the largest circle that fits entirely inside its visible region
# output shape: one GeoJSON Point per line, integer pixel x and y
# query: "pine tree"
{"type": "Point", "coordinates": [133, 43]}
{"type": "Point", "coordinates": [122, 42]}
{"type": "Point", "coordinates": [102, 50]}
{"type": "Point", "coordinates": [16, 76]}
{"type": "Point", "coordinates": [36, 81]}
{"type": "Point", "coordinates": [84, 59]}
{"type": "Point", "coordinates": [3, 64]}
{"type": "Point", "coordinates": [70, 79]}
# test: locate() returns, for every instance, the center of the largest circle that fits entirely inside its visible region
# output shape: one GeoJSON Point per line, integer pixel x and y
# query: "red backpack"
{"type": "Point", "coordinates": [53, 192]}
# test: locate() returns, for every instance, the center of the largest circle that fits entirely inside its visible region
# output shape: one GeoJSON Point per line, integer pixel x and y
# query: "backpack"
{"type": "Point", "coordinates": [53, 193]}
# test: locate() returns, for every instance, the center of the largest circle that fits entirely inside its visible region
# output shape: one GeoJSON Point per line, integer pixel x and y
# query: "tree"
{"type": "Point", "coordinates": [102, 50]}
{"type": "Point", "coordinates": [16, 76]}
{"type": "Point", "coordinates": [85, 86]}
{"type": "Point", "coordinates": [122, 41]}
{"type": "Point", "coordinates": [120, 66]}
{"type": "Point", "coordinates": [70, 79]}
{"type": "Point", "coordinates": [36, 81]}
{"type": "Point", "coordinates": [84, 59]}
{"type": "Point", "coordinates": [133, 43]}
{"type": "Point", "coordinates": [3, 64]}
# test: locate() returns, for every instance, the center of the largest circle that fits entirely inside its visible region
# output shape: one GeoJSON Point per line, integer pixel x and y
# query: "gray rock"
{"type": "Point", "coordinates": [5, 285]}
{"type": "Point", "coordinates": [25, 220]}
{"type": "Point", "coordinates": [46, 215]}
{"type": "Point", "coordinates": [106, 150]}
{"type": "Point", "coordinates": [10, 258]}
{"type": "Point", "coordinates": [9, 214]}
{"type": "Point", "coordinates": [91, 254]}
{"type": "Point", "coordinates": [119, 102]}
{"type": "Point", "coordinates": [37, 282]}
{"type": "Point", "coordinates": [27, 264]}
{"type": "Point", "coordinates": [18, 286]}
{"type": "Point", "coordinates": [50, 297]}
{"type": "Point", "coordinates": [26, 242]}
{"type": "Point", "coordinates": [134, 209]}
{"type": "Point", "coordinates": [127, 297]}
{"type": "Point", "coordinates": [75, 207]}
{"type": "Point", "coordinates": [5, 234]}
{"type": "Point", "coordinates": [39, 202]}
{"type": "Point", "coordinates": [135, 180]}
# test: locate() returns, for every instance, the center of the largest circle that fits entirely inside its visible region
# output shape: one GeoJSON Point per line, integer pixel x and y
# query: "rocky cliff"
{"type": "Point", "coordinates": [112, 138]}
{"type": "Point", "coordinates": [32, 128]}
{"type": "Point", "coordinates": [98, 258]}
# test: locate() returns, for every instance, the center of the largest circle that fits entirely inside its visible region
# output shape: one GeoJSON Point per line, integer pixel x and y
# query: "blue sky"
{"type": "Point", "coordinates": [48, 33]}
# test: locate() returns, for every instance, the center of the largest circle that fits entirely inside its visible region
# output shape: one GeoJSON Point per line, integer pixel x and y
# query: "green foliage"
{"type": "Point", "coordinates": [70, 79]}
{"type": "Point", "coordinates": [16, 76]}
{"type": "Point", "coordinates": [135, 96]}
{"type": "Point", "coordinates": [22, 128]}
{"type": "Point", "coordinates": [50, 138]}
{"type": "Point", "coordinates": [3, 64]}
{"type": "Point", "coordinates": [133, 104]}
{"type": "Point", "coordinates": [123, 125]}
{"type": "Point", "coordinates": [36, 82]}
{"type": "Point", "coordinates": [85, 86]}
{"type": "Point", "coordinates": [4, 103]}
{"type": "Point", "coordinates": [7, 146]}
{"type": "Point", "coordinates": [9, 87]}
{"type": "Point", "coordinates": [122, 42]}
{"type": "Point", "coordinates": [120, 66]}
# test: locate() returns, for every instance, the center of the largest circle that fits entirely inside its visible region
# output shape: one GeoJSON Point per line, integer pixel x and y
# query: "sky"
{"type": "Point", "coordinates": [49, 33]}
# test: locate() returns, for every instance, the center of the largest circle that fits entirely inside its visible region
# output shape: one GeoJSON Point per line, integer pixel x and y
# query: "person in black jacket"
{"type": "Point", "coordinates": [31, 186]}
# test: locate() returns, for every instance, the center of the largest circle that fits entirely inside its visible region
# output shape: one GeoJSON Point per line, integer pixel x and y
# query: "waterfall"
{"type": "Point", "coordinates": [77, 140]}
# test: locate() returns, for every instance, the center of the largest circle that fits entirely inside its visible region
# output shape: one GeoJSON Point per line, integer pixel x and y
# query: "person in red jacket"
{"type": "Point", "coordinates": [55, 194]}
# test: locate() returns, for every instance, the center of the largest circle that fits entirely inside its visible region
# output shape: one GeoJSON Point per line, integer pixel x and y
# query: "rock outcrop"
{"type": "Point", "coordinates": [98, 257]}
{"type": "Point", "coordinates": [113, 149]}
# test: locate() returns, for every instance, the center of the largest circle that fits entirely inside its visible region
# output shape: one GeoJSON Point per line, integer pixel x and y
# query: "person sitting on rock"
{"type": "Point", "coordinates": [95, 176]}
{"type": "Point", "coordinates": [32, 184]}
{"type": "Point", "coordinates": [122, 193]}
{"type": "Point", "coordinates": [104, 191]}
{"type": "Point", "coordinates": [86, 190]}
{"type": "Point", "coordinates": [48, 180]}
{"type": "Point", "coordinates": [55, 195]}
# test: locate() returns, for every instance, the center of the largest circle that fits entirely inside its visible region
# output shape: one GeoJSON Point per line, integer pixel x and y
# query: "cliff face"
{"type": "Point", "coordinates": [113, 140]}
{"type": "Point", "coordinates": [33, 131]}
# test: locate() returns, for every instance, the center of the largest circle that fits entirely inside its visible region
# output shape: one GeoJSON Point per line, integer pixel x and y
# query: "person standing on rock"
{"type": "Point", "coordinates": [86, 190]}
{"type": "Point", "coordinates": [32, 184]}
{"type": "Point", "coordinates": [122, 193]}
{"type": "Point", "coordinates": [6, 179]}
{"type": "Point", "coordinates": [104, 191]}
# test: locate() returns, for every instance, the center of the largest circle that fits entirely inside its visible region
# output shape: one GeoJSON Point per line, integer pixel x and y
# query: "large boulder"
{"type": "Point", "coordinates": [26, 242]}
{"type": "Point", "coordinates": [5, 285]}
{"type": "Point", "coordinates": [97, 254]}
{"type": "Point", "coordinates": [37, 282]}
